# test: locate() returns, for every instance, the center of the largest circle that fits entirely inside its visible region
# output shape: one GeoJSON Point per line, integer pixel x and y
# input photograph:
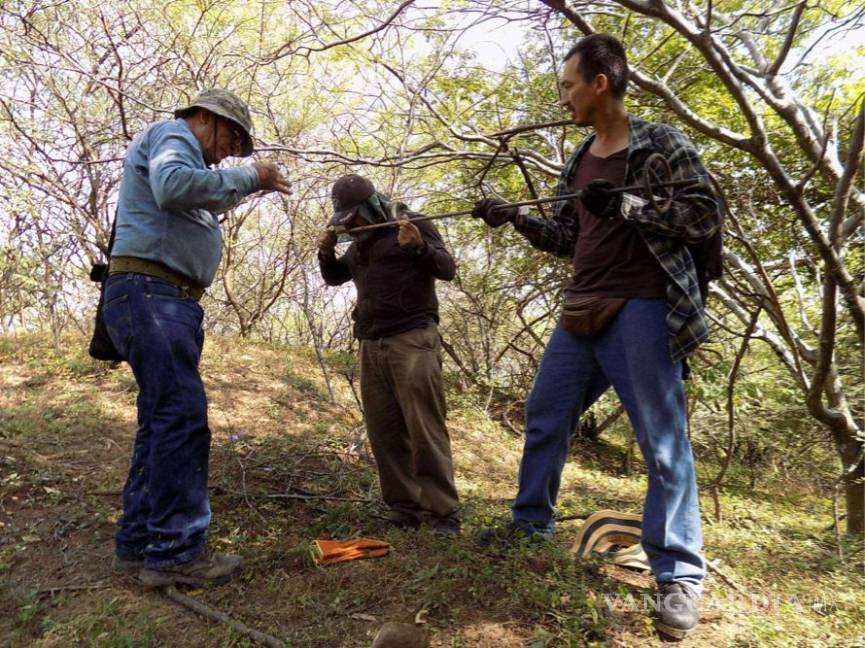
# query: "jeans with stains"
{"type": "Point", "coordinates": [157, 328]}
{"type": "Point", "coordinates": [633, 355]}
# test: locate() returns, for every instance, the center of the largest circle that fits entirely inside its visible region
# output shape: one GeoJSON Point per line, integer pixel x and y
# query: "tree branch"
{"type": "Point", "coordinates": [788, 41]}
{"type": "Point", "coordinates": [286, 49]}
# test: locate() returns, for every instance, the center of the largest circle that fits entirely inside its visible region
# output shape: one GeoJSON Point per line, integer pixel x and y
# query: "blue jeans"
{"type": "Point", "coordinates": [632, 354]}
{"type": "Point", "coordinates": [158, 330]}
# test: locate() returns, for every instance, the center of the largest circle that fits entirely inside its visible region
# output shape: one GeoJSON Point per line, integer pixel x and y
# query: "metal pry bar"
{"type": "Point", "coordinates": [654, 179]}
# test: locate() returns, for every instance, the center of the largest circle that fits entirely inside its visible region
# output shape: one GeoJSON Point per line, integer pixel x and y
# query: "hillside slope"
{"type": "Point", "coordinates": [289, 466]}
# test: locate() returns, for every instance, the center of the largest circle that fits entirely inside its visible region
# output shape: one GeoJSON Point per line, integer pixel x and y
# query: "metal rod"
{"type": "Point", "coordinates": [523, 203]}
{"type": "Point", "coordinates": [374, 226]}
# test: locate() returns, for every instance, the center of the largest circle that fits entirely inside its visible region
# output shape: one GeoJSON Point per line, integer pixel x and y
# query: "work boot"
{"type": "Point", "coordinates": [127, 565]}
{"type": "Point", "coordinates": [677, 609]}
{"type": "Point", "coordinates": [403, 519]}
{"type": "Point", "coordinates": [445, 526]}
{"type": "Point", "coordinates": [208, 568]}
{"type": "Point", "coordinates": [509, 534]}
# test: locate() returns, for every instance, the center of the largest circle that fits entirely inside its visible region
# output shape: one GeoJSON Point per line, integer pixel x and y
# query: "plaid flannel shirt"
{"type": "Point", "coordinates": [694, 216]}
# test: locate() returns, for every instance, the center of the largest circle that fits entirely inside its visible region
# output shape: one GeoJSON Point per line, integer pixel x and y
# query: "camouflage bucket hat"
{"type": "Point", "coordinates": [228, 105]}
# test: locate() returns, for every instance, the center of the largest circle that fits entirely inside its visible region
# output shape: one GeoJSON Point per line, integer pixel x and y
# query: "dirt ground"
{"type": "Point", "coordinates": [289, 466]}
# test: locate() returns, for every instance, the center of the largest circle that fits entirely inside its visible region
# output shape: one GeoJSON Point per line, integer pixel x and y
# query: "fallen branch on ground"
{"type": "Point", "coordinates": [575, 516]}
{"type": "Point", "coordinates": [215, 615]}
{"type": "Point", "coordinates": [298, 496]}
{"type": "Point", "coordinates": [724, 577]}
{"type": "Point", "coordinates": [72, 588]}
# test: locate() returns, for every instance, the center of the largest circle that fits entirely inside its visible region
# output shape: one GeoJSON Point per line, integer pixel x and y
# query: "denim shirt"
{"type": "Point", "coordinates": [169, 198]}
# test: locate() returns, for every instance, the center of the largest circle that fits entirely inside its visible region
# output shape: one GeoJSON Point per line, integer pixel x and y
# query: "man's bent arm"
{"type": "Point", "coordinates": [435, 256]}
{"type": "Point", "coordinates": [178, 184]}
{"type": "Point", "coordinates": [694, 213]}
{"type": "Point", "coordinates": [558, 234]}
{"type": "Point", "coordinates": [334, 271]}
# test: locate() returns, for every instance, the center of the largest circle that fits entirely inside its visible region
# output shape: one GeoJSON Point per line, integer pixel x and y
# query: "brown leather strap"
{"type": "Point", "coordinates": [154, 269]}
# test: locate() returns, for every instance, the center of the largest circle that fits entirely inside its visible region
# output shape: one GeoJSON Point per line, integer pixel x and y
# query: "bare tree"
{"type": "Point", "coordinates": [390, 88]}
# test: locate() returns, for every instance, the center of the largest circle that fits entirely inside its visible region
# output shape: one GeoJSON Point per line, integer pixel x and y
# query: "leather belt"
{"type": "Point", "coordinates": [120, 264]}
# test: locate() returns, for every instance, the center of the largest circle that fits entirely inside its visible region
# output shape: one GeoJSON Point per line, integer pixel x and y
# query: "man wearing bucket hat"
{"type": "Point", "coordinates": [396, 320]}
{"type": "Point", "coordinates": [165, 252]}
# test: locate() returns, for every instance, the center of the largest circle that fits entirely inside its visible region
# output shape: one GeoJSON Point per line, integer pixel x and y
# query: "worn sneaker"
{"type": "Point", "coordinates": [445, 526]}
{"type": "Point", "coordinates": [509, 534]}
{"type": "Point", "coordinates": [677, 609]}
{"type": "Point", "coordinates": [127, 565]}
{"type": "Point", "coordinates": [207, 569]}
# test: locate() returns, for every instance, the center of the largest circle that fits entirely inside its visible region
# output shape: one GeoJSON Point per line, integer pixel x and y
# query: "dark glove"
{"type": "Point", "coordinates": [600, 199]}
{"type": "Point", "coordinates": [494, 217]}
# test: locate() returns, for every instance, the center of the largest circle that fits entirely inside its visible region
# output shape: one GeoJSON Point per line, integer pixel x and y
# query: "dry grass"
{"type": "Point", "coordinates": [66, 428]}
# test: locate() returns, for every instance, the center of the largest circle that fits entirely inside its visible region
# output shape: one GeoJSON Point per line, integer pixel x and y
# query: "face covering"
{"type": "Point", "coordinates": [377, 208]}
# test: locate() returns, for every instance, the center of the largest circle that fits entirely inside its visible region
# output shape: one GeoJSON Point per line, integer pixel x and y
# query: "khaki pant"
{"type": "Point", "coordinates": [404, 412]}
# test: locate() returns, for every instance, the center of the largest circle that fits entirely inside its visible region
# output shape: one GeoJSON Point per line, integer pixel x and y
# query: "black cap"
{"type": "Point", "coordinates": [349, 193]}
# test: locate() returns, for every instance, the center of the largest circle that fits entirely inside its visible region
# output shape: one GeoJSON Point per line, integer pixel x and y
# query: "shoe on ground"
{"type": "Point", "coordinates": [509, 534]}
{"type": "Point", "coordinates": [677, 610]}
{"type": "Point", "coordinates": [127, 565]}
{"type": "Point", "coordinates": [403, 519]}
{"type": "Point", "coordinates": [445, 526]}
{"type": "Point", "coordinates": [207, 569]}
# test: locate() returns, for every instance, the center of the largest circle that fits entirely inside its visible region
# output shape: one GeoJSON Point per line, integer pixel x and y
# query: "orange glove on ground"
{"type": "Point", "coordinates": [327, 552]}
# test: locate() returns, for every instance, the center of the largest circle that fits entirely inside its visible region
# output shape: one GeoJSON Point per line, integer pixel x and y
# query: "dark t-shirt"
{"type": "Point", "coordinates": [610, 257]}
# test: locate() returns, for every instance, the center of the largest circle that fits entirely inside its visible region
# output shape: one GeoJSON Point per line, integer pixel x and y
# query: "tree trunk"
{"type": "Point", "coordinates": [854, 486]}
